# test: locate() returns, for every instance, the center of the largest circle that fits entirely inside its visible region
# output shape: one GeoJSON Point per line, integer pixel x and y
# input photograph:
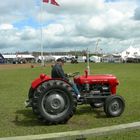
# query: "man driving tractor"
{"type": "Point", "coordinates": [58, 72]}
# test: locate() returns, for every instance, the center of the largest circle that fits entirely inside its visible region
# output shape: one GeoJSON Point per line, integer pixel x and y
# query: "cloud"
{"type": "Point", "coordinates": [15, 10]}
{"type": "Point", "coordinates": [137, 14]}
{"type": "Point", "coordinates": [73, 25]}
{"type": "Point", "coordinates": [6, 26]}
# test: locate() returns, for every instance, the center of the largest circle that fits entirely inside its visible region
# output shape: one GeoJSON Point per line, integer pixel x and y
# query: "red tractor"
{"type": "Point", "coordinates": [53, 101]}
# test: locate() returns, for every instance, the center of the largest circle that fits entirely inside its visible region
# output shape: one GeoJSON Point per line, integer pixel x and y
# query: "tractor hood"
{"type": "Point", "coordinates": [91, 79]}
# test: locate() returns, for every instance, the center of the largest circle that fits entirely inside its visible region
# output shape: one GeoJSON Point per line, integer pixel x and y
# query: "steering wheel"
{"type": "Point", "coordinates": [73, 74]}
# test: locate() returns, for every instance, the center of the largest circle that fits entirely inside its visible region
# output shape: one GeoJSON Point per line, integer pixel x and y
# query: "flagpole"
{"type": "Point", "coordinates": [41, 33]}
{"type": "Point", "coordinates": [41, 25]}
{"type": "Point", "coordinates": [88, 67]}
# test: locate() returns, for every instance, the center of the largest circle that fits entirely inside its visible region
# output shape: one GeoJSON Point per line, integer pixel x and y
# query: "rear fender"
{"type": "Point", "coordinates": [42, 78]}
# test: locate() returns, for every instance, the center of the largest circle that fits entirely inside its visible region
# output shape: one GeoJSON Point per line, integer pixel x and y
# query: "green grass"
{"type": "Point", "coordinates": [16, 120]}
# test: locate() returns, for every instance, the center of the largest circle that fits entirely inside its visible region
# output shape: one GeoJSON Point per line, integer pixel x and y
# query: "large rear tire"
{"type": "Point", "coordinates": [55, 102]}
{"type": "Point", "coordinates": [114, 106]}
{"type": "Point", "coordinates": [32, 96]}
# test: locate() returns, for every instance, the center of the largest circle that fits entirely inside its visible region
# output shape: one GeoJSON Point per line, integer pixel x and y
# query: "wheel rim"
{"type": "Point", "coordinates": [116, 107]}
{"type": "Point", "coordinates": [55, 103]}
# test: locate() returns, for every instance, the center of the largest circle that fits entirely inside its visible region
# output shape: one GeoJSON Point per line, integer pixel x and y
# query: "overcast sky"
{"type": "Point", "coordinates": [74, 25]}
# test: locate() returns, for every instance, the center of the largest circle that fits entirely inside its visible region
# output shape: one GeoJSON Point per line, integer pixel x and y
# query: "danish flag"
{"type": "Point", "coordinates": [51, 1]}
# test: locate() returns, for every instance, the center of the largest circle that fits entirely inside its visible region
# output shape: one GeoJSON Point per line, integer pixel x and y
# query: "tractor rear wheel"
{"type": "Point", "coordinates": [32, 96]}
{"type": "Point", "coordinates": [114, 106]}
{"type": "Point", "coordinates": [55, 103]}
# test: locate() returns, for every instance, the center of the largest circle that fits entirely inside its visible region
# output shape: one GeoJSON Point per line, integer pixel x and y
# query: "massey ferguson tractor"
{"type": "Point", "coordinates": [53, 101]}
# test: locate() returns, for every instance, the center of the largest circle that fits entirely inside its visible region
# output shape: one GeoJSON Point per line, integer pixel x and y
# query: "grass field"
{"type": "Point", "coordinates": [16, 120]}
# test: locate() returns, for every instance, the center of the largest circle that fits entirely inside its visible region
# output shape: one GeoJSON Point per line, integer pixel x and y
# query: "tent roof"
{"type": "Point", "coordinates": [131, 52]}
{"type": "Point", "coordinates": [13, 56]}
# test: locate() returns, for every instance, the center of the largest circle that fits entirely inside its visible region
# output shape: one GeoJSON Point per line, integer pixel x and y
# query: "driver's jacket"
{"type": "Point", "coordinates": [58, 72]}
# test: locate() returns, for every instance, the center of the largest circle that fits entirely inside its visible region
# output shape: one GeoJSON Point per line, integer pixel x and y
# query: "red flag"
{"type": "Point", "coordinates": [46, 1]}
{"type": "Point", "coordinates": [52, 2]}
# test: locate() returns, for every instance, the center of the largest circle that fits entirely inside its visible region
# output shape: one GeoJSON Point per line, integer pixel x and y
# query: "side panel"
{"type": "Point", "coordinates": [113, 89]}
{"type": "Point", "coordinates": [113, 86]}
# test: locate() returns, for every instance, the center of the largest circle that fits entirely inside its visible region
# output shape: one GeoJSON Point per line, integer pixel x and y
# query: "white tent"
{"type": "Point", "coordinates": [18, 58]}
{"type": "Point", "coordinates": [95, 59]}
{"type": "Point", "coordinates": [131, 52]}
{"type": "Point", "coordinates": [13, 56]}
{"type": "Point", "coordinates": [45, 58]}
{"type": "Point", "coordinates": [7, 56]}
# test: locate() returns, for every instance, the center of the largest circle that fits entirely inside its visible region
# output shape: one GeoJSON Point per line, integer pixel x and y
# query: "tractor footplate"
{"type": "Point", "coordinates": [28, 103]}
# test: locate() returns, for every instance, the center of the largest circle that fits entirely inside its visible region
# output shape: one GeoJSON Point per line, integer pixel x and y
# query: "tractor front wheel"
{"type": "Point", "coordinates": [114, 106]}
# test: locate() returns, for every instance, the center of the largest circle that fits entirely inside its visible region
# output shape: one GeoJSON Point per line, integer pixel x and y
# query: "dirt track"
{"type": "Point", "coordinates": [16, 66]}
